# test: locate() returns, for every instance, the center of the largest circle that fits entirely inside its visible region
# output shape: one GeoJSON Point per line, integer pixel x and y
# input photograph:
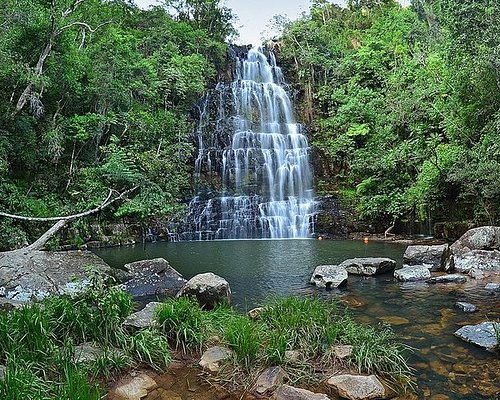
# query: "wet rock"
{"type": "Point", "coordinates": [482, 238]}
{"type": "Point", "coordinates": [286, 392]}
{"type": "Point", "coordinates": [254, 313]}
{"type": "Point", "coordinates": [369, 265]}
{"type": "Point", "coordinates": [135, 388]}
{"type": "Point", "coordinates": [329, 276]}
{"type": "Point", "coordinates": [3, 369]}
{"type": "Point", "coordinates": [412, 273]}
{"type": "Point", "coordinates": [208, 288]}
{"type": "Point", "coordinates": [482, 335]}
{"type": "Point", "coordinates": [143, 318]}
{"type": "Point", "coordinates": [451, 278]}
{"type": "Point", "coordinates": [34, 275]}
{"type": "Point", "coordinates": [357, 387]}
{"type": "Point", "coordinates": [480, 260]}
{"type": "Point", "coordinates": [153, 277]}
{"type": "Point", "coordinates": [213, 357]}
{"type": "Point", "coordinates": [342, 351]}
{"type": "Point", "coordinates": [494, 287]}
{"type": "Point", "coordinates": [270, 379]}
{"type": "Point", "coordinates": [465, 307]}
{"type": "Point", "coordinates": [432, 256]}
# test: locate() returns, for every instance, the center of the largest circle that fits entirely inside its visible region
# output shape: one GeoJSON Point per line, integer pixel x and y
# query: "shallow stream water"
{"type": "Point", "coordinates": [423, 315]}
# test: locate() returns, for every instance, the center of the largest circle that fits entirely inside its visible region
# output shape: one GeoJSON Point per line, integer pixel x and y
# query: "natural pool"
{"type": "Point", "coordinates": [423, 315]}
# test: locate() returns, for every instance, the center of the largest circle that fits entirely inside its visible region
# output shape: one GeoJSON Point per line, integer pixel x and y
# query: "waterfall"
{"type": "Point", "coordinates": [255, 157]}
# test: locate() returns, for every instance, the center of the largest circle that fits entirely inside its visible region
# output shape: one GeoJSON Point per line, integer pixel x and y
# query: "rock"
{"type": "Point", "coordinates": [143, 318]}
{"type": "Point", "coordinates": [254, 313]}
{"type": "Point", "coordinates": [494, 287]}
{"type": "Point", "coordinates": [432, 256]}
{"type": "Point", "coordinates": [451, 278]}
{"type": "Point", "coordinates": [482, 335]}
{"type": "Point", "coordinates": [286, 392]}
{"type": "Point", "coordinates": [357, 387]}
{"type": "Point", "coordinates": [465, 307]}
{"type": "Point", "coordinates": [153, 277]}
{"type": "Point", "coordinates": [208, 288]}
{"type": "Point", "coordinates": [87, 352]}
{"type": "Point", "coordinates": [136, 388]}
{"type": "Point", "coordinates": [329, 276]}
{"type": "Point", "coordinates": [342, 351]}
{"type": "Point", "coordinates": [213, 356]}
{"type": "Point", "coordinates": [412, 273]}
{"type": "Point", "coordinates": [3, 369]}
{"type": "Point", "coordinates": [483, 260]}
{"type": "Point", "coordinates": [292, 356]}
{"type": "Point", "coordinates": [482, 238]}
{"type": "Point", "coordinates": [394, 320]}
{"type": "Point", "coordinates": [29, 275]}
{"type": "Point", "coordinates": [270, 379]}
{"type": "Point", "coordinates": [368, 266]}
{"type": "Point", "coordinates": [3, 291]}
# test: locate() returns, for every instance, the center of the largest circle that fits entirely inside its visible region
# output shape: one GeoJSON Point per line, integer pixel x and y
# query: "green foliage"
{"type": "Point", "coordinates": [151, 348]}
{"type": "Point", "coordinates": [244, 338]}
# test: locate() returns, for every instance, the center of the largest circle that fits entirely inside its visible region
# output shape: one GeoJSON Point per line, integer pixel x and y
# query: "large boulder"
{"type": "Point", "coordinates": [483, 335]}
{"type": "Point", "coordinates": [368, 265]}
{"type": "Point", "coordinates": [482, 238]}
{"type": "Point", "coordinates": [208, 288]}
{"type": "Point", "coordinates": [412, 273]}
{"type": "Point", "coordinates": [433, 256]}
{"type": "Point", "coordinates": [27, 275]}
{"type": "Point", "coordinates": [153, 277]}
{"type": "Point", "coordinates": [286, 392]}
{"type": "Point", "coordinates": [357, 387]}
{"type": "Point", "coordinates": [487, 261]}
{"type": "Point", "coordinates": [329, 276]}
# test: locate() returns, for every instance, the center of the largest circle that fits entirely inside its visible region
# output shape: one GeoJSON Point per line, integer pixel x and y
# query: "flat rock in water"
{"type": "Point", "coordinates": [270, 379]}
{"type": "Point", "coordinates": [135, 388]}
{"type": "Point", "coordinates": [412, 273]}
{"type": "Point", "coordinates": [150, 266]}
{"type": "Point", "coordinates": [451, 278]}
{"type": "Point", "coordinates": [432, 256]}
{"type": "Point", "coordinates": [34, 275]}
{"type": "Point", "coordinates": [329, 276]}
{"type": "Point", "coordinates": [465, 307]}
{"type": "Point", "coordinates": [482, 335]}
{"type": "Point", "coordinates": [286, 392]}
{"type": "Point", "coordinates": [143, 318]}
{"type": "Point", "coordinates": [213, 356]}
{"type": "Point", "coordinates": [369, 265]}
{"type": "Point", "coordinates": [494, 287]}
{"type": "Point", "coordinates": [357, 387]}
{"type": "Point", "coordinates": [208, 289]}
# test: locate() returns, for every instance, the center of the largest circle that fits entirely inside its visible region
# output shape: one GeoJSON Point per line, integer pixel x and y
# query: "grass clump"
{"type": "Point", "coordinates": [245, 338]}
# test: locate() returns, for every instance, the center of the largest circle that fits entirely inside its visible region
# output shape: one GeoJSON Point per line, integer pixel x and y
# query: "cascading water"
{"type": "Point", "coordinates": [260, 157]}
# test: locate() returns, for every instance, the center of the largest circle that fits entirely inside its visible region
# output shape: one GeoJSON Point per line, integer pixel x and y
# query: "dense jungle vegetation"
{"type": "Point", "coordinates": [402, 105]}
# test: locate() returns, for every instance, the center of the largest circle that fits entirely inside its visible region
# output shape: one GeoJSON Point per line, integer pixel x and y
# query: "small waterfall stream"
{"type": "Point", "coordinates": [257, 158]}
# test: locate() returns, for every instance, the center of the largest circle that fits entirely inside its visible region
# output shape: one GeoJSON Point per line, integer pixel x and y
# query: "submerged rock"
{"type": "Point", "coordinates": [357, 387]}
{"type": "Point", "coordinates": [143, 318]}
{"type": "Point", "coordinates": [286, 392]}
{"type": "Point", "coordinates": [368, 265]}
{"type": "Point", "coordinates": [482, 335]}
{"type": "Point", "coordinates": [465, 307]}
{"type": "Point", "coordinates": [329, 276]}
{"type": "Point", "coordinates": [208, 288]}
{"type": "Point", "coordinates": [432, 256]}
{"type": "Point", "coordinates": [270, 379]}
{"type": "Point", "coordinates": [412, 273]}
{"type": "Point", "coordinates": [451, 278]}
{"type": "Point", "coordinates": [213, 357]}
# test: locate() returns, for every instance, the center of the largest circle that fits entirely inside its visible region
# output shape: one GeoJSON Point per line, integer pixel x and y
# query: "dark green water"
{"type": "Point", "coordinates": [422, 315]}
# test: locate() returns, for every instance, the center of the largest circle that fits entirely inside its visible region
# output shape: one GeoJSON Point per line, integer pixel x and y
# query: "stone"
{"type": "Point", "coordinates": [329, 276]}
{"type": "Point", "coordinates": [135, 388]}
{"type": "Point", "coordinates": [357, 387]}
{"type": "Point", "coordinates": [412, 273]}
{"type": "Point", "coordinates": [494, 287]}
{"type": "Point", "coordinates": [208, 289]}
{"type": "Point", "coordinates": [213, 357]}
{"type": "Point", "coordinates": [254, 313]}
{"type": "Point", "coordinates": [143, 318]}
{"type": "Point", "coordinates": [270, 379]}
{"type": "Point", "coordinates": [482, 260]}
{"type": "Point", "coordinates": [369, 265]}
{"type": "Point", "coordinates": [482, 335]}
{"type": "Point", "coordinates": [154, 277]}
{"type": "Point", "coordinates": [342, 351]}
{"type": "Point", "coordinates": [451, 278]}
{"type": "Point", "coordinates": [465, 307]}
{"type": "Point", "coordinates": [3, 291]}
{"type": "Point", "coordinates": [287, 392]}
{"type": "Point", "coordinates": [482, 238]}
{"type": "Point", "coordinates": [87, 352]}
{"type": "Point", "coordinates": [3, 370]}
{"type": "Point", "coordinates": [34, 275]}
{"type": "Point", "coordinates": [432, 256]}
{"type": "Point", "coordinates": [292, 356]}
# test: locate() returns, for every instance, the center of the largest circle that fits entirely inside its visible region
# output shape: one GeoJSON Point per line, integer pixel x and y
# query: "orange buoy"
{"type": "Point", "coordinates": [365, 240]}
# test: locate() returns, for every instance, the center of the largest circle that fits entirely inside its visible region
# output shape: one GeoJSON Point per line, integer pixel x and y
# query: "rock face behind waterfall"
{"type": "Point", "coordinates": [252, 169]}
